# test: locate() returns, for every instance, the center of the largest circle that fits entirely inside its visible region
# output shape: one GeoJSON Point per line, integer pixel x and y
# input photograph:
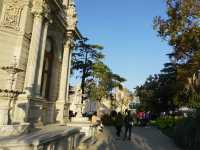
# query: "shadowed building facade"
{"type": "Point", "coordinates": [36, 37]}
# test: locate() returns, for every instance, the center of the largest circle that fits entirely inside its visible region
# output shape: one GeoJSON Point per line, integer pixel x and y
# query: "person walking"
{"type": "Point", "coordinates": [94, 119]}
{"type": "Point", "coordinates": [94, 126]}
{"type": "Point", "coordinates": [118, 124]}
{"type": "Point", "coordinates": [128, 122]}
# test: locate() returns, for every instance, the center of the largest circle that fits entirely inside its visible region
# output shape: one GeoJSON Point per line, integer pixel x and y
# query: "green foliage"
{"type": "Point", "coordinates": [182, 31]}
{"type": "Point", "coordinates": [167, 122]}
{"type": "Point", "coordinates": [85, 56]}
{"type": "Point", "coordinates": [83, 59]}
{"type": "Point", "coordinates": [158, 92]}
{"type": "Point", "coordinates": [187, 133]}
{"type": "Point", "coordinates": [97, 79]}
{"type": "Point", "coordinates": [184, 131]}
{"type": "Point", "coordinates": [103, 82]}
{"type": "Point", "coordinates": [178, 83]}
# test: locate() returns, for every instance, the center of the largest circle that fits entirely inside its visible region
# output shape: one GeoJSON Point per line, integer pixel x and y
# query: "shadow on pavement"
{"type": "Point", "coordinates": [142, 139]}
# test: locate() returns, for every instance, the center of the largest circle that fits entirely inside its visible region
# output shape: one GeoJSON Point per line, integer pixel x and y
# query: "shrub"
{"type": "Point", "coordinates": [164, 123]}
{"type": "Point", "coordinates": [187, 133]}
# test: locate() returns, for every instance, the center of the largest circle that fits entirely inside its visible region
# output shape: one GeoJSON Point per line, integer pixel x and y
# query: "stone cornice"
{"type": "Point", "coordinates": [59, 4]}
{"type": "Point", "coordinates": [66, 16]}
{"type": "Point", "coordinates": [60, 11]}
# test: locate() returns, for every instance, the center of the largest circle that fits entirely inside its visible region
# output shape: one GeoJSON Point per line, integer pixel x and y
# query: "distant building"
{"type": "Point", "coordinates": [75, 97]}
{"type": "Point", "coordinates": [133, 105]}
{"type": "Point", "coordinates": [90, 106]}
{"type": "Point", "coordinates": [122, 98]}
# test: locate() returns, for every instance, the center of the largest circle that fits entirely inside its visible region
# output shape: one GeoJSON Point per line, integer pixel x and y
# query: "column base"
{"type": "Point", "coordinates": [29, 109]}
{"type": "Point", "coordinates": [62, 112]}
{"type": "Point", "coordinates": [21, 109]}
{"type": "Point", "coordinates": [4, 110]}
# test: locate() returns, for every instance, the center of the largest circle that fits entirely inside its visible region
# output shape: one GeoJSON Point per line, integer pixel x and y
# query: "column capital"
{"type": "Point", "coordinates": [40, 9]}
{"type": "Point", "coordinates": [69, 39]}
{"type": "Point", "coordinates": [71, 16]}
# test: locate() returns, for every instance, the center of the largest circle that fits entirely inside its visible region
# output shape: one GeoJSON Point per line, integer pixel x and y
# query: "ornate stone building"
{"type": "Point", "coordinates": [36, 40]}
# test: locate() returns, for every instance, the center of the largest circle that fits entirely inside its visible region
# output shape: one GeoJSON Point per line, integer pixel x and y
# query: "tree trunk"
{"type": "Point", "coordinates": [83, 78]}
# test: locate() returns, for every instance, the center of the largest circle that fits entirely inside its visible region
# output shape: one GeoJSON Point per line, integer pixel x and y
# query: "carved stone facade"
{"type": "Point", "coordinates": [40, 35]}
{"type": "Point", "coordinates": [12, 14]}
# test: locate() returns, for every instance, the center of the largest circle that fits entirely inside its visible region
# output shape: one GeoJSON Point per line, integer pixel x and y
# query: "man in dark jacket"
{"type": "Point", "coordinates": [128, 122]}
{"type": "Point", "coordinates": [118, 124]}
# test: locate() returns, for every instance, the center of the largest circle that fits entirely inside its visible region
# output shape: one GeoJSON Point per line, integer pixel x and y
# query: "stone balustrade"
{"type": "Point", "coordinates": [93, 130]}
{"type": "Point", "coordinates": [53, 137]}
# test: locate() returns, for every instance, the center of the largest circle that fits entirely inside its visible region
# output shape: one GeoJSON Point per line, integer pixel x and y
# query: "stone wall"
{"type": "Point", "coordinates": [15, 32]}
{"type": "Point", "coordinates": [1, 6]}
{"type": "Point", "coordinates": [7, 46]}
{"type": "Point", "coordinates": [25, 45]}
{"type": "Point", "coordinates": [25, 25]}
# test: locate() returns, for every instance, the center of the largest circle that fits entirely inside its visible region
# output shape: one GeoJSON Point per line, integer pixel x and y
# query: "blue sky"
{"type": "Point", "coordinates": [124, 28]}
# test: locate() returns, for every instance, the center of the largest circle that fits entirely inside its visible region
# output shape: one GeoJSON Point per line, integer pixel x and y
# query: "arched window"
{"type": "Point", "coordinates": [47, 69]}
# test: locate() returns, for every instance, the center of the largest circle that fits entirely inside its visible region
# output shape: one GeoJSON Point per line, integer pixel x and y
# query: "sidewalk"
{"type": "Point", "coordinates": [142, 139]}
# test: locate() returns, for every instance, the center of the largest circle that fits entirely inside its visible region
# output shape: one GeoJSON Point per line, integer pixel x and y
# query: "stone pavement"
{"type": "Point", "coordinates": [142, 139]}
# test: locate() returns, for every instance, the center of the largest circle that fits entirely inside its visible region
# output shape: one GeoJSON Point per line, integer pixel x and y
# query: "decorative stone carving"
{"type": "Point", "coordinates": [38, 7]}
{"type": "Point", "coordinates": [68, 43]}
{"type": "Point", "coordinates": [12, 14]}
{"type": "Point", "coordinates": [47, 12]}
{"type": "Point", "coordinates": [13, 130]}
{"type": "Point", "coordinates": [69, 39]}
{"type": "Point", "coordinates": [71, 16]}
{"type": "Point", "coordinates": [9, 93]}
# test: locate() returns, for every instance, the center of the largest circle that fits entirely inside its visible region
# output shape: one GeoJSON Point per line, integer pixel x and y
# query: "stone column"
{"type": "Point", "coordinates": [33, 56]}
{"type": "Point", "coordinates": [37, 11]}
{"type": "Point", "coordinates": [61, 103]}
{"type": "Point", "coordinates": [67, 104]}
{"type": "Point", "coordinates": [41, 59]}
{"type": "Point", "coordinates": [68, 75]}
{"type": "Point", "coordinates": [64, 72]}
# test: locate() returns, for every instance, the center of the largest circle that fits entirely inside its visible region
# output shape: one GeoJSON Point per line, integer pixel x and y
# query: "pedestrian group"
{"type": "Point", "coordinates": [128, 121]}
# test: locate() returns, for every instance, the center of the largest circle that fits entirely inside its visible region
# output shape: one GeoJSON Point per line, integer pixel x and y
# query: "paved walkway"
{"type": "Point", "coordinates": [142, 139]}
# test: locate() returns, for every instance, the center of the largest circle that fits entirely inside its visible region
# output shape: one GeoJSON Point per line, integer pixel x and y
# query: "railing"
{"type": "Point", "coordinates": [51, 138]}
{"type": "Point", "coordinates": [93, 132]}
{"type": "Point", "coordinates": [68, 140]}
